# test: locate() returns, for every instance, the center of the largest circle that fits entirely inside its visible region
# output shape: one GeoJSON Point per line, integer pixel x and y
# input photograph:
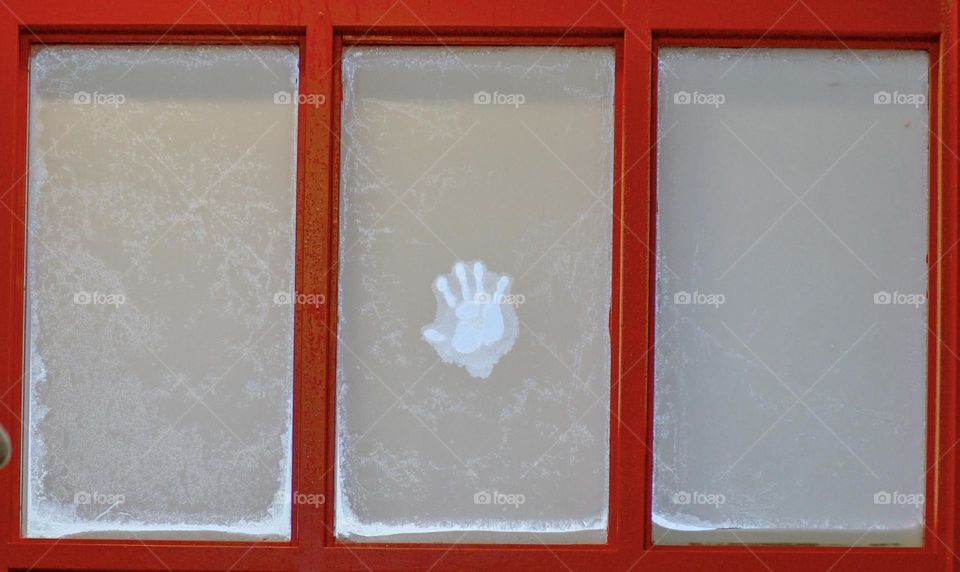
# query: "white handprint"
{"type": "Point", "coordinates": [477, 328]}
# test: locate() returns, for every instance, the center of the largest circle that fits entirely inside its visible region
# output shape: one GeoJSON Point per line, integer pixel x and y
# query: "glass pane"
{"type": "Point", "coordinates": [475, 275]}
{"type": "Point", "coordinates": [790, 376]}
{"type": "Point", "coordinates": [161, 230]}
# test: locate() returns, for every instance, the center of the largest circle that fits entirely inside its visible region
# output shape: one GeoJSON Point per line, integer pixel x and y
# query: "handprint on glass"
{"type": "Point", "coordinates": [475, 325]}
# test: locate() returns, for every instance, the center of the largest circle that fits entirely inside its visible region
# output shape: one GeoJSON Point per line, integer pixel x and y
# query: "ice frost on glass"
{"type": "Point", "coordinates": [476, 324]}
{"type": "Point", "coordinates": [465, 415]}
{"type": "Point", "coordinates": [790, 367]}
{"type": "Point", "coordinates": [161, 227]}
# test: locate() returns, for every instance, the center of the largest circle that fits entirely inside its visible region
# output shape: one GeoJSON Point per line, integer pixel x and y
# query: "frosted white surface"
{"type": "Point", "coordinates": [790, 368]}
{"type": "Point", "coordinates": [161, 228]}
{"type": "Point", "coordinates": [496, 156]}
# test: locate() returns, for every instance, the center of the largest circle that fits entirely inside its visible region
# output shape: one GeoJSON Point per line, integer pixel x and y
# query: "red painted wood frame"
{"type": "Point", "coordinates": [635, 28]}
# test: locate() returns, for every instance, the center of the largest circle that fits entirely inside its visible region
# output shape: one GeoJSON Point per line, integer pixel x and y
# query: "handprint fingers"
{"type": "Point", "coordinates": [433, 335]}
{"type": "Point", "coordinates": [501, 288]}
{"type": "Point", "coordinates": [444, 289]}
{"type": "Point", "coordinates": [478, 276]}
{"type": "Point", "coordinates": [461, 272]}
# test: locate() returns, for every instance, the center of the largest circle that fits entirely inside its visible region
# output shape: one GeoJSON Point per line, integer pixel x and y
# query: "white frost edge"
{"type": "Point", "coordinates": [349, 525]}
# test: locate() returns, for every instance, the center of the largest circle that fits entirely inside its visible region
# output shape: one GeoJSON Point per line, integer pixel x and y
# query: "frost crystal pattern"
{"type": "Point", "coordinates": [161, 226]}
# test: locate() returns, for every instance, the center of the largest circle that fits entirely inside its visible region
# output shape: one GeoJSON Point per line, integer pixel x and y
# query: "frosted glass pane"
{"type": "Point", "coordinates": [790, 368]}
{"type": "Point", "coordinates": [161, 228]}
{"type": "Point", "coordinates": [466, 413]}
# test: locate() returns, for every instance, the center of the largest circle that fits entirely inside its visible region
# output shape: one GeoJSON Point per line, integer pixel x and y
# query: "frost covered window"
{"type": "Point", "coordinates": [473, 381]}
{"type": "Point", "coordinates": [790, 368]}
{"type": "Point", "coordinates": [160, 244]}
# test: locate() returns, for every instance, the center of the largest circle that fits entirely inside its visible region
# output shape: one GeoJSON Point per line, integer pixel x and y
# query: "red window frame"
{"type": "Point", "coordinates": [636, 29]}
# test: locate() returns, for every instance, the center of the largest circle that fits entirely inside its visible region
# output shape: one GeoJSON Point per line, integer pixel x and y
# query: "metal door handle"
{"type": "Point", "coordinates": [5, 447]}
